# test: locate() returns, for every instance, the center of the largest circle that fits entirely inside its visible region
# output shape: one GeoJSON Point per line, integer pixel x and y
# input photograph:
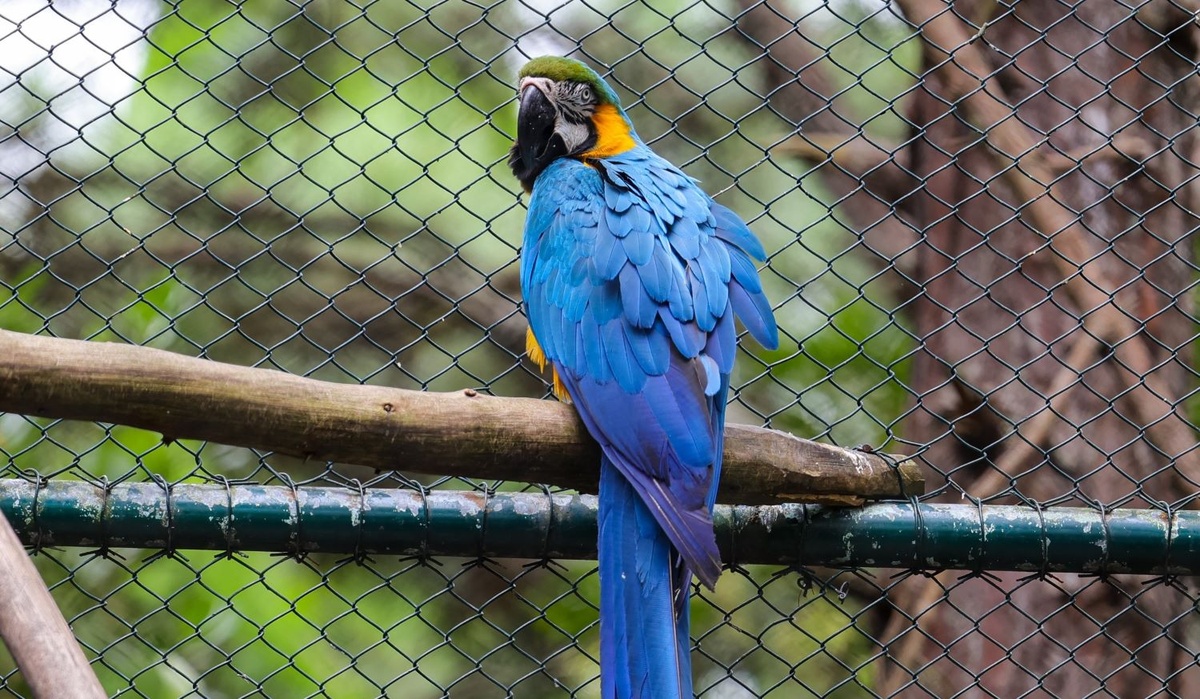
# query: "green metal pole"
{"type": "Point", "coordinates": [542, 525]}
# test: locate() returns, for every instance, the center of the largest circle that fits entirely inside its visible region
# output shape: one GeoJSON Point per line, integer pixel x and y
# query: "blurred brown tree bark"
{"type": "Point", "coordinates": [1054, 147]}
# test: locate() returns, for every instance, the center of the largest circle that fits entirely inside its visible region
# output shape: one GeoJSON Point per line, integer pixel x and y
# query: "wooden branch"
{"type": "Point", "coordinates": [34, 630]}
{"type": "Point", "coordinates": [460, 434]}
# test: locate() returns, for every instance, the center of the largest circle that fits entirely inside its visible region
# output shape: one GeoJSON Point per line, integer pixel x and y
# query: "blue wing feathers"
{"type": "Point", "coordinates": [755, 313]}
{"type": "Point", "coordinates": [609, 257]}
{"type": "Point", "coordinates": [614, 238]}
{"type": "Point", "coordinates": [681, 410]}
{"type": "Point", "coordinates": [685, 238]}
{"type": "Point", "coordinates": [671, 411]}
{"type": "Point", "coordinates": [640, 219]}
{"type": "Point", "coordinates": [624, 365]}
{"type": "Point", "coordinates": [705, 320]}
{"type": "Point", "coordinates": [656, 276]}
{"type": "Point", "coordinates": [714, 260]}
{"type": "Point", "coordinates": [650, 348]}
{"type": "Point", "coordinates": [605, 301]}
{"type": "Point", "coordinates": [592, 350]}
{"type": "Point", "coordinates": [632, 277]}
{"type": "Point", "coordinates": [744, 272]}
{"type": "Point", "coordinates": [618, 199]}
{"type": "Point", "coordinates": [579, 271]}
{"type": "Point", "coordinates": [640, 309]}
{"type": "Point", "coordinates": [566, 336]}
{"type": "Point", "coordinates": [573, 302]}
{"type": "Point", "coordinates": [685, 337]}
{"type": "Point", "coordinates": [721, 346]}
{"type": "Point", "coordinates": [712, 375]}
{"type": "Point", "coordinates": [638, 244]}
{"type": "Point", "coordinates": [734, 231]}
{"type": "Point", "coordinates": [678, 295]}
{"type": "Point", "coordinates": [718, 293]}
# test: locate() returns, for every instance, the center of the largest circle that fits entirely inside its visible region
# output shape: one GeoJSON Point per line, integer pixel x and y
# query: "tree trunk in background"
{"type": "Point", "coordinates": [1057, 152]}
{"type": "Point", "coordinates": [1109, 107]}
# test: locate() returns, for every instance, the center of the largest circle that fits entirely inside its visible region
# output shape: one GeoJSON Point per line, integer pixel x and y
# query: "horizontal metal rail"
{"type": "Point", "coordinates": [229, 517]}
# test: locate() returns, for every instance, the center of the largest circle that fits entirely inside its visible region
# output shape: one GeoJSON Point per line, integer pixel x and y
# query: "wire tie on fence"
{"type": "Point", "coordinates": [168, 512]}
{"type": "Point", "coordinates": [808, 581]}
{"type": "Point", "coordinates": [35, 521]}
{"type": "Point", "coordinates": [230, 533]}
{"type": "Point", "coordinates": [893, 464]}
{"type": "Point", "coordinates": [1043, 572]}
{"type": "Point", "coordinates": [549, 522]}
{"type": "Point", "coordinates": [361, 556]}
{"type": "Point", "coordinates": [1044, 567]}
{"type": "Point", "coordinates": [805, 577]}
{"type": "Point", "coordinates": [1103, 573]}
{"type": "Point", "coordinates": [422, 556]}
{"type": "Point", "coordinates": [103, 550]}
{"type": "Point", "coordinates": [427, 525]}
{"type": "Point", "coordinates": [979, 571]}
{"type": "Point", "coordinates": [919, 544]}
{"type": "Point", "coordinates": [734, 564]}
{"type": "Point", "coordinates": [920, 533]}
{"type": "Point", "coordinates": [1167, 578]}
{"type": "Point", "coordinates": [546, 561]}
{"type": "Point", "coordinates": [805, 525]}
{"type": "Point", "coordinates": [786, 570]}
{"type": "Point", "coordinates": [842, 590]}
{"type": "Point", "coordinates": [296, 550]}
{"type": "Point", "coordinates": [1106, 565]}
{"type": "Point", "coordinates": [805, 582]}
{"type": "Point", "coordinates": [168, 550]}
{"type": "Point", "coordinates": [982, 530]}
{"type": "Point", "coordinates": [480, 538]}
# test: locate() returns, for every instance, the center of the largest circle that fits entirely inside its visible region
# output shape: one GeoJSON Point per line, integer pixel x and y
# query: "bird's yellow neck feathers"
{"type": "Point", "coordinates": [613, 136]}
{"type": "Point", "coordinates": [538, 357]}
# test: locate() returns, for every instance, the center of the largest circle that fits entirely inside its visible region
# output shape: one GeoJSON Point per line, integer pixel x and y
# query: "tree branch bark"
{"type": "Point", "coordinates": [461, 434]}
{"type": "Point", "coordinates": [34, 629]}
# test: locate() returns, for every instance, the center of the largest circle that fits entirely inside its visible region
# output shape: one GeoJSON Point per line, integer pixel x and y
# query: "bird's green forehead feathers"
{"type": "Point", "coordinates": [558, 69]}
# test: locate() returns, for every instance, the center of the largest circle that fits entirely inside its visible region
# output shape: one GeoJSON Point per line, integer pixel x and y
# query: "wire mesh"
{"type": "Point", "coordinates": [978, 220]}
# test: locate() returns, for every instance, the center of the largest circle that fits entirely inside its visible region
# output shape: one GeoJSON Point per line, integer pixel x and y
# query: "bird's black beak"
{"type": "Point", "coordinates": [537, 145]}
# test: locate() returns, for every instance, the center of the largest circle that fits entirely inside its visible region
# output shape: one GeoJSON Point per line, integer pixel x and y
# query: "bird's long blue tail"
{"type": "Point", "coordinates": [644, 645]}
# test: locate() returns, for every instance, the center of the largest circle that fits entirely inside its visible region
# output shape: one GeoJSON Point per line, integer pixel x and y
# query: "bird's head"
{"type": "Point", "coordinates": [566, 110]}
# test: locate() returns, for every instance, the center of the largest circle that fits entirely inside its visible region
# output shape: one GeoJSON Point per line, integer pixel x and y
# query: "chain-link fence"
{"type": "Point", "coordinates": [977, 217]}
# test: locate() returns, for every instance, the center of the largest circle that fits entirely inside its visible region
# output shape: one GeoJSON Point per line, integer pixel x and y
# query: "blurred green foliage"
{"type": "Point", "coordinates": [323, 191]}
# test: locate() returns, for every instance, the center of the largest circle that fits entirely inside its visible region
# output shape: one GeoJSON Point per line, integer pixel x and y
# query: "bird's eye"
{"type": "Point", "coordinates": [585, 93]}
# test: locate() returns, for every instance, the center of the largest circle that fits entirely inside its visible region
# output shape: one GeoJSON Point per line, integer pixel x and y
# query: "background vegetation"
{"type": "Point", "coordinates": [322, 190]}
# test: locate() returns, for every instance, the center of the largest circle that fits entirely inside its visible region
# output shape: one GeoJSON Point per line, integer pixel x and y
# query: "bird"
{"type": "Point", "coordinates": [631, 276]}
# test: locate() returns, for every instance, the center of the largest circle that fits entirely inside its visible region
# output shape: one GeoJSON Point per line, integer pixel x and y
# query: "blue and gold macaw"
{"type": "Point", "coordinates": [631, 276]}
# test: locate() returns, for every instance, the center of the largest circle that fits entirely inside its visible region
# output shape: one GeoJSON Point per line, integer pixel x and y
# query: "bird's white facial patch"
{"type": "Point", "coordinates": [574, 104]}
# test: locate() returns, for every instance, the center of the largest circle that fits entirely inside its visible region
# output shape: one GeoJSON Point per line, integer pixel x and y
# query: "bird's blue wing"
{"type": "Point", "coordinates": [632, 276]}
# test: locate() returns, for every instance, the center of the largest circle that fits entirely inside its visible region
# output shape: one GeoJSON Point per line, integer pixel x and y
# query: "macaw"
{"type": "Point", "coordinates": [631, 277]}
